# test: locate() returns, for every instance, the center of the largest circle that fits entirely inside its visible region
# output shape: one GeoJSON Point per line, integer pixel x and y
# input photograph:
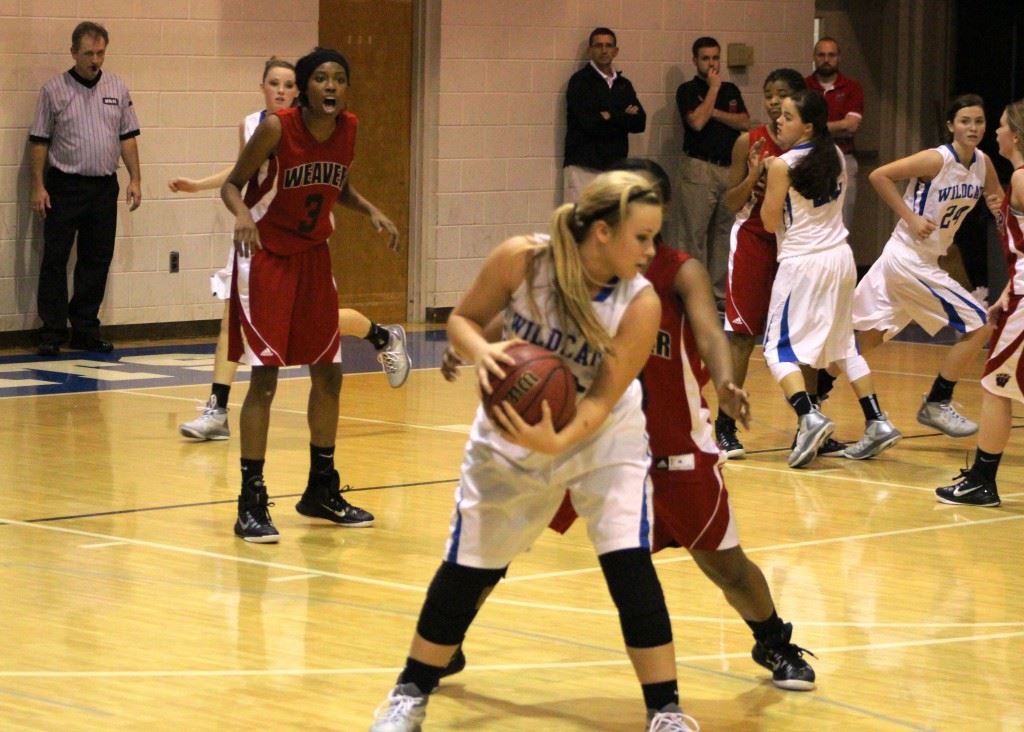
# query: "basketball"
{"type": "Point", "coordinates": [538, 375]}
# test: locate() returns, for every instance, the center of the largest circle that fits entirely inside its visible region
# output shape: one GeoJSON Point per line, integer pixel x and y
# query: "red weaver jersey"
{"type": "Point", "coordinates": [749, 216]}
{"type": "Point", "coordinates": [678, 419]}
{"type": "Point", "coordinates": [292, 206]}
{"type": "Point", "coordinates": [1012, 232]}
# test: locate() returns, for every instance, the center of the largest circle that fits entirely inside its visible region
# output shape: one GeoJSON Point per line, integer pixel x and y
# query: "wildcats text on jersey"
{"type": "Point", "coordinates": [567, 345]}
{"type": "Point", "coordinates": [960, 190]}
{"type": "Point", "coordinates": [317, 173]}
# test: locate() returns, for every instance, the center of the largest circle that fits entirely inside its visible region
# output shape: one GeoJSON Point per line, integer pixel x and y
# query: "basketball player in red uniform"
{"type": "Point", "coordinates": [284, 303]}
{"type": "Point", "coordinates": [691, 504]}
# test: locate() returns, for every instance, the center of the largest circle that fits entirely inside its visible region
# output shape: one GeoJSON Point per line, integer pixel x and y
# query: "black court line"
{"type": "Point", "coordinates": [219, 503]}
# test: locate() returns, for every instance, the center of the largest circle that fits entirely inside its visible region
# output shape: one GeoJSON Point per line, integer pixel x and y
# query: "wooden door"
{"type": "Point", "coordinates": [376, 38]}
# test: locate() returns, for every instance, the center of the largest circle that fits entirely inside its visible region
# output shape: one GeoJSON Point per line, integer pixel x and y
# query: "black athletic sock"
{"type": "Point", "coordinates": [986, 464]}
{"type": "Point", "coordinates": [251, 470]}
{"type": "Point", "coordinates": [724, 423]}
{"type": "Point", "coordinates": [869, 405]}
{"type": "Point", "coordinates": [801, 402]}
{"type": "Point", "coordinates": [942, 390]}
{"type": "Point", "coordinates": [766, 628]}
{"type": "Point", "coordinates": [825, 383]}
{"type": "Point", "coordinates": [220, 393]}
{"type": "Point", "coordinates": [321, 459]}
{"type": "Point", "coordinates": [425, 677]}
{"type": "Point", "coordinates": [378, 336]}
{"type": "Point", "coordinates": [657, 695]}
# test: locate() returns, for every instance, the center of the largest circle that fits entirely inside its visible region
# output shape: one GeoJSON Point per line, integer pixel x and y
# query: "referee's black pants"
{"type": "Point", "coordinates": [87, 206]}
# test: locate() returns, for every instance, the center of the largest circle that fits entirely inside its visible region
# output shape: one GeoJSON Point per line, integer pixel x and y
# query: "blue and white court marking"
{"type": "Point", "coordinates": [172, 365]}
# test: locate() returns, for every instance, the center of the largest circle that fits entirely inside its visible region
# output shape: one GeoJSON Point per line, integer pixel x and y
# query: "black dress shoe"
{"type": "Point", "coordinates": [91, 343]}
{"type": "Point", "coordinates": [48, 349]}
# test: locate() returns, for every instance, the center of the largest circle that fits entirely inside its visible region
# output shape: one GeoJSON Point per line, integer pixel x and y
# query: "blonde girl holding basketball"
{"type": "Point", "coordinates": [582, 292]}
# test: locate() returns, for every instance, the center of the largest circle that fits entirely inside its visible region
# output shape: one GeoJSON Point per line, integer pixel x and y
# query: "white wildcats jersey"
{"type": "Point", "coordinates": [945, 199]}
{"type": "Point", "coordinates": [583, 358]}
{"type": "Point", "coordinates": [249, 125]}
{"type": "Point", "coordinates": [811, 226]}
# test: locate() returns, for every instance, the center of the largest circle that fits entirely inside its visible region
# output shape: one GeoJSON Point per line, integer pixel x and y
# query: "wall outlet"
{"type": "Point", "coordinates": [174, 263]}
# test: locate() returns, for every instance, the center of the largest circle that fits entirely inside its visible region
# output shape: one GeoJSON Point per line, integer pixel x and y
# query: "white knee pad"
{"type": "Point", "coordinates": [855, 367]}
{"type": "Point", "coordinates": [783, 369]}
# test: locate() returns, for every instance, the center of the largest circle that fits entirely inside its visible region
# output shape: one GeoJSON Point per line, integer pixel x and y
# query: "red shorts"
{"type": "Point", "coordinates": [284, 310]}
{"type": "Point", "coordinates": [691, 508]}
{"type": "Point", "coordinates": [748, 289]}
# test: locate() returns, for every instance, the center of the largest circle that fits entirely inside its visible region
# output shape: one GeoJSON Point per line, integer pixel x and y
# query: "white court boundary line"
{"type": "Point", "coordinates": [227, 673]}
{"type": "Point", "coordinates": [312, 572]}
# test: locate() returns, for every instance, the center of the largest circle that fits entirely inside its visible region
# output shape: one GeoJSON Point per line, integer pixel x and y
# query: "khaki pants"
{"type": "Point", "coordinates": [574, 179]}
{"type": "Point", "coordinates": [704, 219]}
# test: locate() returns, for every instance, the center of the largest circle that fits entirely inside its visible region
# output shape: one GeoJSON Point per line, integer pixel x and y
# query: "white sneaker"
{"type": "Point", "coordinates": [944, 417]}
{"type": "Point", "coordinates": [403, 711]}
{"type": "Point", "coordinates": [671, 719]}
{"type": "Point", "coordinates": [814, 429]}
{"type": "Point", "coordinates": [212, 424]}
{"type": "Point", "coordinates": [394, 359]}
{"type": "Point", "coordinates": [879, 435]}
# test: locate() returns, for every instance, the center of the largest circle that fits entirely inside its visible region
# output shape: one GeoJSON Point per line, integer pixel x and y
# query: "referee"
{"type": "Point", "coordinates": [84, 122]}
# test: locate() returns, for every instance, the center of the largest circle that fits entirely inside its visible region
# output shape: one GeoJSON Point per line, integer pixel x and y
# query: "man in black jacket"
{"type": "Point", "coordinates": [601, 111]}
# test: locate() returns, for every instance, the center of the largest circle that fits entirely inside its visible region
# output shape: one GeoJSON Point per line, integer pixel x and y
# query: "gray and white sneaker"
{"type": "Point", "coordinates": [879, 435]}
{"type": "Point", "coordinates": [670, 718]}
{"type": "Point", "coordinates": [212, 424]}
{"type": "Point", "coordinates": [944, 417]}
{"type": "Point", "coordinates": [814, 429]}
{"type": "Point", "coordinates": [394, 359]}
{"type": "Point", "coordinates": [403, 711]}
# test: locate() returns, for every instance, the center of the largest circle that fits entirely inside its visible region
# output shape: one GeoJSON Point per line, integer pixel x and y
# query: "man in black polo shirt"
{"type": "Point", "coordinates": [713, 116]}
{"type": "Point", "coordinates": [84, 124]}
{"type": "Point", "coordinates": [601, 110]}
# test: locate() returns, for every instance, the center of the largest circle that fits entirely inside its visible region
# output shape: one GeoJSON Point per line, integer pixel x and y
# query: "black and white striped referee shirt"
{"type": "Point", "coordinates": [84, 122]}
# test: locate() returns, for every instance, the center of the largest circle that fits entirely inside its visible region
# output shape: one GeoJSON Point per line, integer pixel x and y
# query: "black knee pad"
{"type": "Point", "coordinates": [637, 594]}
{"type": "Point", "coordinates": [454, 597]}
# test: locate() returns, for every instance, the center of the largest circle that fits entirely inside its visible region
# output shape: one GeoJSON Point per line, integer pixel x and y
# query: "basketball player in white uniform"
{"type": "Point", "coordinates": [1003, 381]}
{"type": "Point", "coordinates": [809, 316]}
{"type": "Point", "coordinates": [906, 283]}
{"type": "Point", "coordinates": [581, 296]}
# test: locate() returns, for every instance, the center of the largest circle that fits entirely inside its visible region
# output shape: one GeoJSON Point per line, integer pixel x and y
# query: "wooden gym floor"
{"type": "Point", "coordinates": [126, 602]}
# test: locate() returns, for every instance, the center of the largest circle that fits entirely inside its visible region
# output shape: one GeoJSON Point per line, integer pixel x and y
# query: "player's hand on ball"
{"type": "Point", "coordinates": [540, 437]}
{"type": "Point", "coordinates": [489, 361]}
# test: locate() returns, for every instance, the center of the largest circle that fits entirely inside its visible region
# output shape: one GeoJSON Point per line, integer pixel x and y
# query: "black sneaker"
{"type": "Point", "coordinates": [785, 661]}
{"type": "Point", "coordinates": [832, 448]}
{"type": "Point", "coordinates": [322, 499]}
{"type": "Point", "coordinates": [729, 443]}
{"type": "Point", "coordinates": [970, 490]}
{"type": "Point", "coordinates": [254, 522]}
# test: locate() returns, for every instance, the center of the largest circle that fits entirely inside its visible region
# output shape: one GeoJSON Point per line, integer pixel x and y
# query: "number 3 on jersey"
{"type": "Point", "coordinates": [314, 202]}
{"type": "Point", "coordinates": [952, 216]}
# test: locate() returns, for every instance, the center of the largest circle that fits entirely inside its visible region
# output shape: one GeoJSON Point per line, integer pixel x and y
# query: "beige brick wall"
{"type": "Point", "coordinates": [193, 67]}
{"type": "Point", "coordinates": [504, 67]}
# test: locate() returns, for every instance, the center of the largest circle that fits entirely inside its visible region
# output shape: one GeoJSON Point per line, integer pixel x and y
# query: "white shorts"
{"type": "Point", "coordinates": [220, 281]}
{"type": "Point", "coordinates": [902, 287]}
{"type": "Point", "coordinates": [809, 317]}
{"type": "Point", "coordinates": [1003, 370]}
{"type": "Point", "coordinates": [507, 496]}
